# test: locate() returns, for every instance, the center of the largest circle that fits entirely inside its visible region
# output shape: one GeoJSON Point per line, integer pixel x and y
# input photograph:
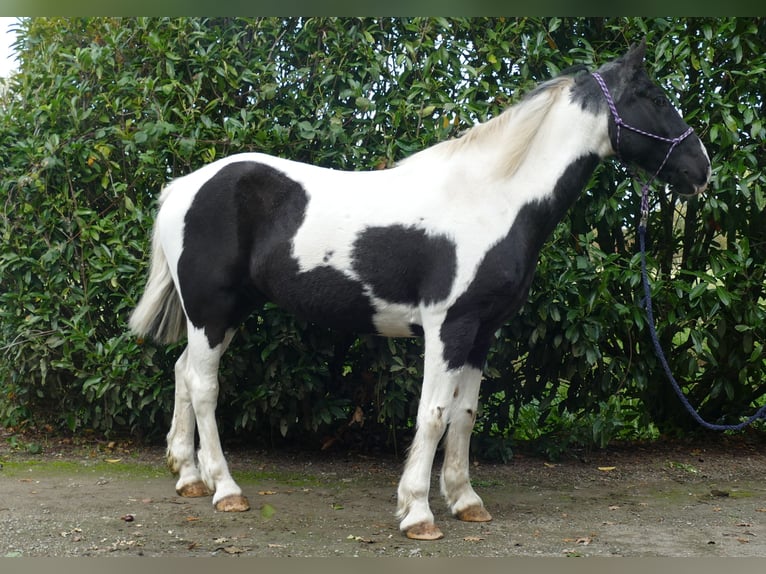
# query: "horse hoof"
{"type": "Point", "coordinates": [474, 514]}
{"type": "Point", "coordinates": [194, 490]}
{"type": "Point", "coordinates": [232, 503]}
{"type": "Point", "coordinates": [424, 531]}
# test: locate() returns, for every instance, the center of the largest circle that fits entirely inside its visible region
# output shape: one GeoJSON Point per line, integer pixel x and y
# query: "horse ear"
{"type": "Point", "coordinates": [636, 54]}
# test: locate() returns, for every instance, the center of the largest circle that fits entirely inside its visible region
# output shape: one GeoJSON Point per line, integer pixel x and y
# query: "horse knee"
{"type": "Point", "coordinates": [464, 417]}
{"type": "Point", "coordinates": [434, 422]}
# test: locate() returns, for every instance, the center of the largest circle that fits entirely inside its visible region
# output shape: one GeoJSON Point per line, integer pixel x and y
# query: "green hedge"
{"type": "Point", "coordinates": [104, 111]}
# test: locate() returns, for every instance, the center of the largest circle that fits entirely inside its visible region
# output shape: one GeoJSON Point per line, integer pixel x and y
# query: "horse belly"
{"type": "Point", "coordinates": [328, 297]}
{"type": "Point", "coordinates": [389, 269]}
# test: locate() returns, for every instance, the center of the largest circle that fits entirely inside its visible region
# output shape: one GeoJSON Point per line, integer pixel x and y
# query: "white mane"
{"type": "Point", "coordinates": [512, 131]}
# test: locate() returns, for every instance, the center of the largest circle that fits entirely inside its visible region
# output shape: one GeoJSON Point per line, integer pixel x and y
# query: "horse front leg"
{"type": "Point", "coordinates": [455, 482]}
{"type": "Point", "coordinates": [414, 512]}
{"type": "Point", "coordinates": [201, 375]}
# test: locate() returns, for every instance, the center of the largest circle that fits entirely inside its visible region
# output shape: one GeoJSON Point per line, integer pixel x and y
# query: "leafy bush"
{"type": "Point", "coordinates": [104, 111]}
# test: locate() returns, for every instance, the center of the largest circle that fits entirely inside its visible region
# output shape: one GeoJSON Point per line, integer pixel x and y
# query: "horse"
{"type": "Point", "coordinates": [443, 246]}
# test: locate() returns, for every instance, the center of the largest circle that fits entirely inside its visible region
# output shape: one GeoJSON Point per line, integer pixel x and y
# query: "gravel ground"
{"type": "Point", "coordinates": [117, 499]}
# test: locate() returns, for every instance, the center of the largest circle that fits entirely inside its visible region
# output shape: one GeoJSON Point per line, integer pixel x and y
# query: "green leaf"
{"type": "Point", "coordinates": [723, 295]}
{"type": "Point", "coordinates": [267, 511]}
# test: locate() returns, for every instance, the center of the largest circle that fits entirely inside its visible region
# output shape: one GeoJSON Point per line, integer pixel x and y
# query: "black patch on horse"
{"type": "Point", "coordinates": [505, 274]}
{"type": "Point", "coordinates": [237, 241]}
{"type": "Point", "coordinates": [405, 264]}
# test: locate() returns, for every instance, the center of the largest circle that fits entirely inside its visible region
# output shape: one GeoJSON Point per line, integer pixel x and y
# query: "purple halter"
{"type": "Point", "coordinates": [621, 124]}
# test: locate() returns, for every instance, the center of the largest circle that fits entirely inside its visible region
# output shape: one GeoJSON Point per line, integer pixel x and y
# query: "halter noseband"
{"type": "Point", "coordinates": [621, 124]}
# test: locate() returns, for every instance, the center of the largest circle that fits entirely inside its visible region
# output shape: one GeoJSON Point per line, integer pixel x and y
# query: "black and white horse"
{"type": "Point", "coordinates": [444, 246]}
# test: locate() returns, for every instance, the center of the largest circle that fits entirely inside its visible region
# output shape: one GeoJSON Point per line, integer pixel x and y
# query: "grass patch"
{"type": "Point", "coordinates": [124, 467]}
{"type": "Point", "coordinates": [27, 468]}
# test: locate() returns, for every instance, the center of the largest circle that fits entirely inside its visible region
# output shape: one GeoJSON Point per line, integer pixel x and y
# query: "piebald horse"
{"type": "Point", "coordinates": [444, 245]}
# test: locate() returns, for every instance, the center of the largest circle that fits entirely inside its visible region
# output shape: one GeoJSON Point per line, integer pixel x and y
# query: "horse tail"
{"type": "Point", "coordinates": [159, 313]}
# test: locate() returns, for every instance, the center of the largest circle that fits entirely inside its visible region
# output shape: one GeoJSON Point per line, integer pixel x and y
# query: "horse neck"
{"type": "Point", "coordinates": [522, 155]}
{"type": "Point", "coordinates": [564, 135]}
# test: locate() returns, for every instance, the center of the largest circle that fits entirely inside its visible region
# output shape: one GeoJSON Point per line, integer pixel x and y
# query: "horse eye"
{"type": "Point", "coordinates": [659, 101]}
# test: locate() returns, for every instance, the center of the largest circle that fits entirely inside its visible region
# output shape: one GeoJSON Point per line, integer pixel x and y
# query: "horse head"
{"type": "Point", "coordinates": [646, 130]}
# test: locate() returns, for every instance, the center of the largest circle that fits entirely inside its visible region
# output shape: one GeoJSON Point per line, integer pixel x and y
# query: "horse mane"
{"type": "Point", "coordinates": [522, 120]}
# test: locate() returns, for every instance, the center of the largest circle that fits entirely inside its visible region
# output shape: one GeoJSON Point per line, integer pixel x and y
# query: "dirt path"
{"type": "Point", "coordinates": [664, 500]}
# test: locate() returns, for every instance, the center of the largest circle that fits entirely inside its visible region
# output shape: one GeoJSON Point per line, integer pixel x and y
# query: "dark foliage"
{"type": "Point", "coordinates": [104, 111]}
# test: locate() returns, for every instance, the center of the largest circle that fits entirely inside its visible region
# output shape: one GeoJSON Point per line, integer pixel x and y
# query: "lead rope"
{"type": "Point", "coordinates": [761, 413]}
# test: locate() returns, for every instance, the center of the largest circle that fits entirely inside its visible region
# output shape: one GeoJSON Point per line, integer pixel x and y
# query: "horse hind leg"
{"type": "Point", "coordinates": [200, 372]}
{"type": "Point", "coordinates": [180, 438]}
{"type": "Point", "coordinates": [455, 482]}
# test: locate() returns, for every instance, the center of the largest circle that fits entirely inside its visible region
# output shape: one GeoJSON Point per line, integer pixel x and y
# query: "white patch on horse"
{"type": "Point", "coordinates": [394, 319]}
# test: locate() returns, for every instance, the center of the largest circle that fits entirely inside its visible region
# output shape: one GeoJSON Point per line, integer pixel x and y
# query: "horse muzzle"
{"type": "Point", "coordinates": [693, 172]}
